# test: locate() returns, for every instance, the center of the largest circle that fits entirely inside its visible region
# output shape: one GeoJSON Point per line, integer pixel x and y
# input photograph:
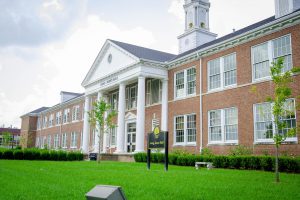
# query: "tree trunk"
{"type": "Point", "coordinates": [276, 165]}
{"type": "Point", "coordinates": [99, 147]}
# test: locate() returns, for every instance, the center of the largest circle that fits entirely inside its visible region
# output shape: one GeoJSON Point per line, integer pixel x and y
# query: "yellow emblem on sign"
{"type": "Point", "coordinates": [156, 131]}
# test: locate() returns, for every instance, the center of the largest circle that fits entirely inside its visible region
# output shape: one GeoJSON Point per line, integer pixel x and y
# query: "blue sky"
{"type": "Point", "coordinates": [48, 46]}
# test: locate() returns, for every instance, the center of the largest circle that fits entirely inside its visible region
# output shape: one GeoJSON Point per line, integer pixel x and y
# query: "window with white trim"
{"type": "Point", "coordinates": [37, 142]}
{"type": "Point", "coordinates": [264, 54]}
{"type": "Point", "coordinates": [58, 118]}
{"type": "Point", "coordinates": [45, 121]}
{"type": "Point", "coordinates": [131, 97]}
{"type": "Point", "coordinates": [185, 83]}
{"type": "Point", "coordinates": [114, 100]}
{"type": "Point", "coordinates": [75, 113]}
{"type": "Point", "coordinates": [185, 129]}
{"type": "Point", "coordinates": [51, 120]}
{"type": "Point", "coordinates": [264, 126]}
{"type": "Point", "coordinates": [223, 126]}
{"type": "Point", "coordinates": [73, 140]}
{"type": "Point", "coordinates": [49, 142]}
{"type": "Point", "coordinates": [56, 141]}
{"type": "Point", "coordinates": [222, 72]}
{"type": "Point", "coordinates": [66, 116]}
{"type": "Point", "coordinates": [44, 142]}
{"type": "Point", "coordinates": [113, 136]}
{"type": "Point", "coordinates": [153, 91]}
{"type": "Point", "coordinates": [64, 140]}
{"type": "Point", "coordinates": [38, 123]}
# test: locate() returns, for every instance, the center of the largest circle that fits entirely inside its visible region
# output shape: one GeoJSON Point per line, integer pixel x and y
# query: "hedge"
{"type": "Point", "coordinates": [39, 154]}
{"type": "Point", "coordinates": [266, 163]}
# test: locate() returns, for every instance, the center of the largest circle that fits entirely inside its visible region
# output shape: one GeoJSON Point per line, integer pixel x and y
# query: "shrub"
{"type": "Point", "coordinates": [240, 150]}
{"type": "Point", "coordinates": [266, 163]}
{"type": "Point", "coordinates": [62, 155]}
{"type": "Point", "coordinates": [79, 156]}
{"type": "Point", "coordinates": [8, 154]}
{"type": "Point", "coordinates": [53, 155]}
{"type": "Point", "coordinates": [206, 152]}
{"type": "Point", "coordinates": [18, 155]}
{"type": "Point", "coordinates": [71, 156]}
{"type": "Point", "coordinates": [44, 155]}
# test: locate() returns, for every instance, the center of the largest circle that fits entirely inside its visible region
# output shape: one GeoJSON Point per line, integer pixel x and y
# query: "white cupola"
{"type": "Point", "coordinates": [196, 25]}
{"type": "Point", "coordinates": [285, 7]}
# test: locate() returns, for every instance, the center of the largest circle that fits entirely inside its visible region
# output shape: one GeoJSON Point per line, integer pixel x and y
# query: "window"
{"type": "Point", "coordinates": [185, 129]}
{"type": "Point", "coordinates": [131, 97]}
{"type": "Point", "coordinates": [114, 100]}
{"type": "Point", "coordinates": [51, 119]}
{"type": "Point", "coordinates": [56, 141]}
{"type": "Point", "coordinates": [64, 140]}
{"type": "Point", "coordinates": [264, 54]}
{"type": "Point", "coordinates": [222, 72]}
{"type": "Point", "coordinates": [153, 91]}
{"type": "Point", "coordinates": [264, 121]}
{"type": "Point", "coordinates": [223, 126]}
{"type": "Point", "coordinates": [49, 142]}
{"type": "Point", "coordinates": [66, 116]}
{"type": "Point", "coordinates": [185, 83]}
{"type": "Point", "coordinates": [113, 136]}
{"type": "Point", "coordinates": [37, 142]}
{"type": "Point", "coordinates": [58, 118]}
{"type": "Point", "coordinates": [38, 123]}
{"type": "Point", "coordinates": [73, 140]}
{"type": "Point", "coordinates": [44, 144]}
{"type": "Point", "coordinates": [75, 113]}
{"type": "Point", "coordinates": [45, 121]}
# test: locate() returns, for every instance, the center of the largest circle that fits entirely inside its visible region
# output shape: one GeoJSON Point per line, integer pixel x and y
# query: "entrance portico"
{"type": "Point", "coordinates": [121, 79]}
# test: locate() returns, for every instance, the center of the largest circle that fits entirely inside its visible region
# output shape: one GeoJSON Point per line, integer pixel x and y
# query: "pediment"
{"type": "Point", "coordinates": [130, 116]}
{"type": "Point", "coordinates": [110, 59]}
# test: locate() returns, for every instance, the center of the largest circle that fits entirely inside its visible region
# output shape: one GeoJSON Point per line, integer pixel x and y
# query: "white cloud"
{"type": "Point", "coordinates": [60, 65]}
{"type": "Point", "coordinates": [177, 10]}
{"type": "Point", "coordinates": [1, 67]}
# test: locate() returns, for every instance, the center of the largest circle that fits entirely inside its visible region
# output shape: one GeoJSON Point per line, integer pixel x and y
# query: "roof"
{"type": "Point", "coordinates": [231, 35]}
{"type": "Point", "coordinates": [72, 93]}
{"type": "Point", "coordinates": [226, 37]}
{"type": "Point", "coordinates": [38, 110]}
{"type": "Point", "coordinates": [145, 53]}
{"type": "Point", "coordinates": [14, 131]}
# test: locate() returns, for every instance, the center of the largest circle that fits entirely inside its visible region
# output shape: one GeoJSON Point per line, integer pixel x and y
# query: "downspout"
{"type": "Point", "coordinates": [201, 114]}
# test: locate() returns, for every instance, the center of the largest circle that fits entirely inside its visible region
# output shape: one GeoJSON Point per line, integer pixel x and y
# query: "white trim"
{"type": "Point", "coordinates": [185, 95]}
{"type": "Point", "coordinates": [185, 134]}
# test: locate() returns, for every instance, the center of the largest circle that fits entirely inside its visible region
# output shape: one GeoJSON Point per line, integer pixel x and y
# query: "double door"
{"type": "Point", "coordinates": [131, 136]}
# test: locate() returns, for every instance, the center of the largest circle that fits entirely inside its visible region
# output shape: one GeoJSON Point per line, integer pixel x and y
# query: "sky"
{"type": "Point", "coordinates": [48, 46]}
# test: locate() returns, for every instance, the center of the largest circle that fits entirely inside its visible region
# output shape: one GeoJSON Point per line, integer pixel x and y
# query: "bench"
{"type": "Point", "coordinates": [209, 165]}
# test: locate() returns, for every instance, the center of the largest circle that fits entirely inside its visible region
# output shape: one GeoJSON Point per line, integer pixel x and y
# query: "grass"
{"type": "Point", "coordinates": [71, 180]}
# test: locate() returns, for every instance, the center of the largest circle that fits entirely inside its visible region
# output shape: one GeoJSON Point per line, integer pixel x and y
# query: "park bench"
{"type": "Point", "coordinates": [209, 165]}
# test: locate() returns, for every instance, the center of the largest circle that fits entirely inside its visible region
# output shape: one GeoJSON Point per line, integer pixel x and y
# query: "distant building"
{"type": "Point", "coordinates": [201, 96]}
{"type": "Point", "coordinates": [15, 135]}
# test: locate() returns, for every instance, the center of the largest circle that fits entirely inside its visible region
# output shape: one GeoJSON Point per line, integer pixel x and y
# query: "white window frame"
{"type": "Point", "coordinates": [270, 56]}
{"type": "Point", "coordinates": [128, 100]}
{"type": "Point", "coordinates": [185, 140]}
{"type": "Point", "coordinates": [51, 120]}
{"type": "Point", "coordinates": [222, 71]}
{"type": "Point", "coordinates": [270, 140]}
{"type": "Point", "coordinates": [75, 113]}
{"type": "Point", "coordinates": [66, 117]}
{"type": "Point", "coordinates": [39, 123]}
{"type": "Point", "coordinates": [73, 144]}
{"type": "Point", "coordinates": [185, 84]}
{"type": "Point", "coordinates": [49, 141]}
{"type": "Point", "coordinates": [58, 118]}
{"type": "Point", "coordinates": [111, 137]}
{"type": "Point", "coordinates": [149, 92]}
{"type": "Point", "coordinates": [56, 141]}
{"type": "Point", "coordinates": [223, 136]}
{"type": "Point", "coordinates": [64, 141]}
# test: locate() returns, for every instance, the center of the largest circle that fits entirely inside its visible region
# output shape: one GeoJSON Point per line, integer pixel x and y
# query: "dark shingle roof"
{"type": "Point", "coordinates": [38, 110]}
{"type": "Point", "coordinates": [145, 53]}
{"type": "Point", "coordinates": [229, 36]}
{"type": "Point", "coordinates": [14, 131]}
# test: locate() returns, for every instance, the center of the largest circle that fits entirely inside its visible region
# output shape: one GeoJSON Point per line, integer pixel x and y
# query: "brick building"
{"type": "Point", "coordinates": [14, 134]}
{"type": "Point", "coordinates": [202, 96]}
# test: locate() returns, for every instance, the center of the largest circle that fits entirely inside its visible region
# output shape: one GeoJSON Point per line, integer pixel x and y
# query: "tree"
{"type": "Point", "coordinates": [97, 117]}
{"type": "Point", "coordinates": [6, 138]}
{"type": "Point", "coordinates": [282, 92]}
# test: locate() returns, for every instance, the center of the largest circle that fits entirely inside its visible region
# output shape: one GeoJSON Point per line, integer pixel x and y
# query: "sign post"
{"type": "Point", "coordinates": [158, 140]}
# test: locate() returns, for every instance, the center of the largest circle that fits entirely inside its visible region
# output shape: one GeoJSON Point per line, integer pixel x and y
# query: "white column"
{"type": "Point", "coordinates": [86, 126]}
{"type": "Point", "coordinates": [97, 136]}
{"type": "Point", "coordinates": [140, 116]}
{"type": "Point", "coordinates": [105, 134]}
{"type": "Point", "coordinates": [121, 120]}
{"type": "Point", "coordinates": [164, 105]}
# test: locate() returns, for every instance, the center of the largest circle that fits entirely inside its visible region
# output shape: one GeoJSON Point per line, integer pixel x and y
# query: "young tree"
{"type": "Point", "coordinates": [282, 92]}
{"type": "Point", "coordinates": [97, 117]}
{"type": "Point", "coordinates": [6, 138]}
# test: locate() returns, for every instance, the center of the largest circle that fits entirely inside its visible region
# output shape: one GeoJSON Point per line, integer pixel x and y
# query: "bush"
{"type": "Point", "coordinates": [62, 155]}
{"type": "Point", "coordinates": [240, 150]}
{"type": "Point", "coordinates": [266, 163]}
{"type": "Point", "coordinates": [44, 155]}
{"type": "Point", "coordinates": [8, 154]}
{"type": "Point", "coordinates": [18, 155]}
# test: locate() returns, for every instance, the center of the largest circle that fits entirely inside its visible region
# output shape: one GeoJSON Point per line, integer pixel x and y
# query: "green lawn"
{"type": "Point", "coordinates": [71, 180]}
